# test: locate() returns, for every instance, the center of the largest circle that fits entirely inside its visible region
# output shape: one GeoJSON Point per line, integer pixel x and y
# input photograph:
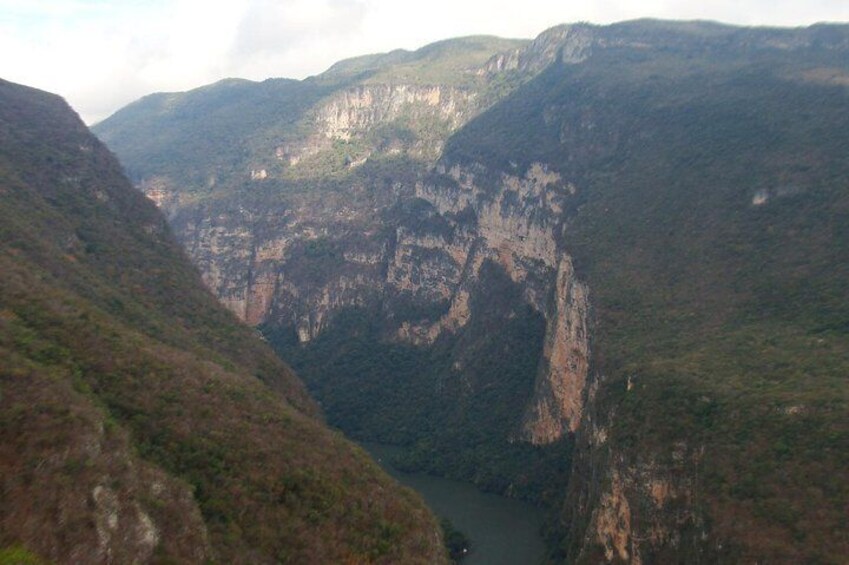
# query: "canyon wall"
{"type": "Point", "coordinates": [320, 256]}
{"type": "Point", "coordinates": [296, 257]}
{"type": "Point", "coordinates": [606, 195]}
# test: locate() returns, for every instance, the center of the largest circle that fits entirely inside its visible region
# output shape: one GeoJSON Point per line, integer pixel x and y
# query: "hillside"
{"type": "Point", "coordinates": [711, 187]}
{"type": "Point", "coordinates": [608, 275]}
{"type": "Point", "coordinates": [211, 139]}
{"type": "Point", "coordinates": [140, 420]}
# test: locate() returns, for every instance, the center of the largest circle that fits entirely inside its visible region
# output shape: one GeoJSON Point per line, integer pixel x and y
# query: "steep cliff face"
{"type": "Point", "coordinates": [683, 452]}
{"type": "Point", "coordinates": [432, 257]}
{"type": "Point", "coordinates": [638, 508]}
{"type": "Point", "coordinates": [644, 513]}
{"type": "Point", "coordinates": [293, 264]}
{"type": "Point", "coordinates": [565, 44]}
{"type": "Point", "coordinates": [559, 395]}
{"type": "Point", "coordinates": [300, 267]}
{"type": "Point", "coordinates": [587, 241]}
{"type": "Point", "coordinates": [514, 222]}
{"type": "Point", "coordinates": [373, 120]}
{"type": "Point", "coordinates": [356, 110]}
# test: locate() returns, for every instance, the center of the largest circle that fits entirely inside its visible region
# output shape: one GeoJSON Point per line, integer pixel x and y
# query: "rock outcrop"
{"type": "Point", "coordinates": [559, 395]}
{"type": "Point", "coordinates": [421, 238]}
{"type": "Point", "coordinates": [380, 119]}
{"type": "Point", "coordinates": [636, 508]}
{"type": "Point", "coordinates": [598, 207]}
{"type": "Point", "coordinates": [295, 269]}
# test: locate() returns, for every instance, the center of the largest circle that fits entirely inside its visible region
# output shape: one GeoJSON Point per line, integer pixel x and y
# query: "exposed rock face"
{"type": "Point", "coordinates": [613, 523]}
{"type": "Point", "coordinates": [516, 222]}
{"type": "Point", "coordinates": [357, 109]}
{"type": "Point", "coordinates": [309, 257]}
{"type": "Point", "coordinates": [268, 267]}
{"type": "Point", "coordinates": [643, 509]}
{"type": "Point", "coordinates": [159, 190]}
{"type": "Point", "coordinates": [262, 264]}
{"type": "Point", "coordinates": [567, 44]}
{"type": "Point", "coordinates": [558, 398]}
{"type": "Point", "coordinates": [593, 134]}
{"type": "Point", "coordinates": [355, 115]}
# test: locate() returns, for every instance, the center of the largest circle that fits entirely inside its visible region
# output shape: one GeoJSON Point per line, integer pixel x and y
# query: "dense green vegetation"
{"type": "Point", "coordinates": [456, 541]}
{"type": "Point", "coordinates": [19, 556]}
{"type": "Point", "coordinates": [208, 140]}
{"type": "Point", "coordinates": [709, 223]}
{"type": "Point", "coordinates": [446, 63]}
{"type": "Point", "coordinates": [710, 227]}
{"type": "Point", "coordinates": [121, 372]}
{"type": "Point", "coordinates": [172, 134]}
{"type": "Point", "coordinates": [454, 406]}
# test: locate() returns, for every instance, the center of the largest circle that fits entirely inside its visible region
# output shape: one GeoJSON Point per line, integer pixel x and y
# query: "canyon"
{"type": "Point", "coordinates": [588, 270]}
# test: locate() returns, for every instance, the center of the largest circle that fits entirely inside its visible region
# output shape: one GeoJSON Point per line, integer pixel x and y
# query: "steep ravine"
{"type": "Point", "coordinates": [417, 245]}
{"type": "Point", "coordinates": [312, 264]}
{"type": "Point", "coordinates": [417, 237]}
{"type": "Point", "coordinates": [603, 270]}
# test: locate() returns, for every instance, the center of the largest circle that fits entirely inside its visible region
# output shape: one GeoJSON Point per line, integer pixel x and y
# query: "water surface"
{"type": "Point", "coordinates": [502, 531]}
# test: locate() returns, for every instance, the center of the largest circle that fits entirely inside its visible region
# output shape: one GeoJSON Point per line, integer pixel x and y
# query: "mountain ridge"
{"type": "Point", "coordinates": [599, 260]}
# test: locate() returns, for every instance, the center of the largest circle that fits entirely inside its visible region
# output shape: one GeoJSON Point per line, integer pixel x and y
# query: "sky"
{"type": "Point", "coordinates": [103, 54]}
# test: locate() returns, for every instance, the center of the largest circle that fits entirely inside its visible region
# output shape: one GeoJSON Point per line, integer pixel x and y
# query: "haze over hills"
{"type": "Point", "coordinates": [604, 270]}
{"type": "Point", "coordinates": [140, 421]}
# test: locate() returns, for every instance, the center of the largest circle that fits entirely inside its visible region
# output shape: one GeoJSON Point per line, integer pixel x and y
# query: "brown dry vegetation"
{"type": "Point", "coordinates": [140, 420]}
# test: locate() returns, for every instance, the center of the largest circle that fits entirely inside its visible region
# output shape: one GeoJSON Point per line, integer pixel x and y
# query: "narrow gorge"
{"type": "Point", "coordinates": [547, 267]}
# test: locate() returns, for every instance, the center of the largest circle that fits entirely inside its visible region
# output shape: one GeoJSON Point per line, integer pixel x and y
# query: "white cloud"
{"type": "Point", "coordinates": [102, 54]}
{"type": "Point", "coordinates": [294, 38]}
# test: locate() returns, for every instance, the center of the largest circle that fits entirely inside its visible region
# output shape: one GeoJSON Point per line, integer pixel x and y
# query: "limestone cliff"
{"type": "Point", "coordinates": [568, 44]}
{"type": "Point", "coordinates": [559, 396]}
{"type": "Point", "coordinates": [516, 222]}
{"type": "Point", "coordinates": [597, 206]}
{"type": "Point", "coordinates": [635, 508]}
{"type": "Point", "coordinates": [421, 238]}
{"type": "Point", "coordinates": [320, 256]}
{"type": "Point", "coordinates": [355, 110]}
{"type": "Point", "coordinates": [378, 119]}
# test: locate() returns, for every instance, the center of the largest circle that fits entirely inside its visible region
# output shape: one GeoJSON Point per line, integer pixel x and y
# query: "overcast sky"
{"type": "Point", "coordinates": [103, 54]}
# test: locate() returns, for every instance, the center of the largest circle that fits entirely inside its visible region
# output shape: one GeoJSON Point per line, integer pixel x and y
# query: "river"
{"type": "Point", "coordinates": [502, 531]}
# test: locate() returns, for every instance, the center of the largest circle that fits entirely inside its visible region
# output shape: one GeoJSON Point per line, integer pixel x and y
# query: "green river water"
{"type": "Point", "coordinates": [502, 531]}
